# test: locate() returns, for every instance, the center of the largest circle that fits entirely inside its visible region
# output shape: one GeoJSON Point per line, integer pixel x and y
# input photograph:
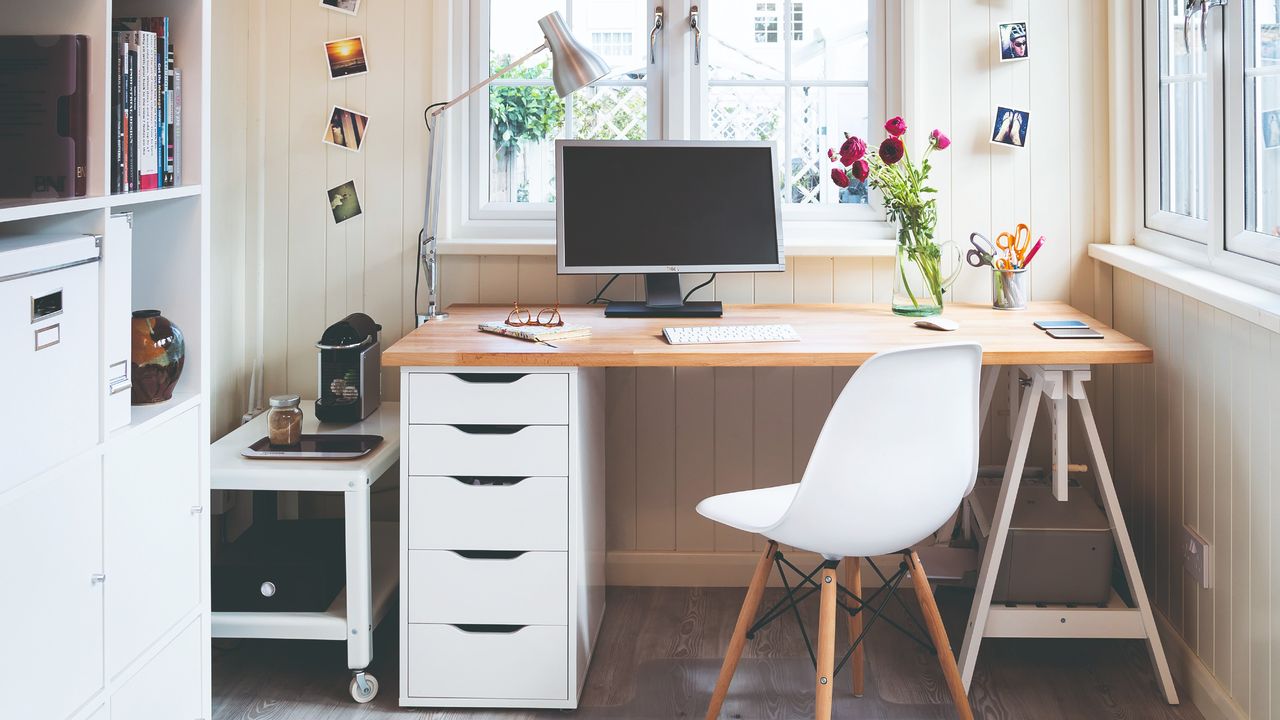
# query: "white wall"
{"type": "Point", "coordinates": [1196, 442]}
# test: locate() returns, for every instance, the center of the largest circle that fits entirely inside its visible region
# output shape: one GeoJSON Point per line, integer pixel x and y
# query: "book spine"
{"type": "Point", "coordinates": [177, 126]}
{"type": "Point", "coordinates": [117, 119]}
{"type": "Point", "coordinates": [162, 54]}
{"type": "Point", "coordinates": [168, 105]}
{"type": "Point", "coordinates": [133, 116]}
{"type": "Point", "coordinates": [149, 162]}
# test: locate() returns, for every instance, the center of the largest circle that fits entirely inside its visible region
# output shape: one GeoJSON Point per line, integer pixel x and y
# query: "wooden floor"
{"type": "Point", "coordinates": [659, 654]}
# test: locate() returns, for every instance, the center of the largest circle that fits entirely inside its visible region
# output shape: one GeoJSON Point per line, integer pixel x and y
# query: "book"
{"type": "Point", "coordinates": [536, 333]}
{"type": "Point", "coordinates": [44, 102]}
{"type": "Point", "coordinates": [144, 105]}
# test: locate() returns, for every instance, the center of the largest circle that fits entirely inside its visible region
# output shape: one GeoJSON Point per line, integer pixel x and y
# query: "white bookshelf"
{"type": "Point", "coordinates": [151, 659]}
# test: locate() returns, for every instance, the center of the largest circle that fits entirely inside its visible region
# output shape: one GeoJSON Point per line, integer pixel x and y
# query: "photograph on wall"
{"type": "Point", "coordinates": [346, 57]}
{"type": "Point", "coordinates": [1013, 42]}
{"type": "Point", "coordinates": [346, 128]}
{"type": "Point", "coordinates": [344, 202]}
{"type": "Point", "coordinates": [350, 7]}
{"type": "Point", "coordinates": [1011, 127]}
{"type": "Point", "coordinates": [1271, 129]}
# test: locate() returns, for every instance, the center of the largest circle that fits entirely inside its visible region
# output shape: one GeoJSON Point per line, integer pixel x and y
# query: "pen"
{"type": "Point", "coordinates": [1034, 249]}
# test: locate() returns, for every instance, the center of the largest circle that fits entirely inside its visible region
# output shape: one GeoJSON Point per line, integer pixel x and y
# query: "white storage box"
{"type": "Point", "coordinates": [49, 345]}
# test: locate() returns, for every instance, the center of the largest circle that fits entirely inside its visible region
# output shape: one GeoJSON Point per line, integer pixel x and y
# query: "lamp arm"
{"type": "Point", "coordinates": [472, 90]}
{"type": "Point", "coordinates": [427, 240]}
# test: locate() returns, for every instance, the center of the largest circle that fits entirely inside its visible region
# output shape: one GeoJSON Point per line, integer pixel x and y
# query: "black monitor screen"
{"type": "Point", "coordinates": [656, 206]}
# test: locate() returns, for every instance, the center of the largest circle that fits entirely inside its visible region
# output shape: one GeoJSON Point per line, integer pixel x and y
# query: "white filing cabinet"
{"type": "Point", "coordinates": [502, 535]}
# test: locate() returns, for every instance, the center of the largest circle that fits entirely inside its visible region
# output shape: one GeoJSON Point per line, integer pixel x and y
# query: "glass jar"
{"type": "Point", "coordinates": [284, 420]}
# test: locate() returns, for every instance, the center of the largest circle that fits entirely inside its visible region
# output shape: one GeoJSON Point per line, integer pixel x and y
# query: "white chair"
{"type": "Point", "coordinates": [897, 454]}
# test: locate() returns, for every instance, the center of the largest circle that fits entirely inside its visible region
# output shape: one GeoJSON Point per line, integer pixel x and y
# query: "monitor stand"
{"type": "Point", "coordinates": [663, 299]}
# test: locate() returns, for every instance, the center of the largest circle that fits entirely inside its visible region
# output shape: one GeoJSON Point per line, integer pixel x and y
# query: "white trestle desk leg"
{"type": "Point", "coordinates": [990, 378]}
{"type": "Point", "coordinates": [1023, 423]}
{"type": "Point", "coordinates": [1121, 533]}
{"type": "Point", "coordinates": [1055, 393]}
{"type": "Point", "coordinates": [359, 590]}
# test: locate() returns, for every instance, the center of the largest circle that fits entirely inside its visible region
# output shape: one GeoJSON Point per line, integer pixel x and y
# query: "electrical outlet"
{"type": "Point", "coordinates": [1197, 557]}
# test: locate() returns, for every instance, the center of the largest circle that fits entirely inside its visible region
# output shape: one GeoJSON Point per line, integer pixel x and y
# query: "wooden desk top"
{"type": "Point", "coordinates": [831, 335]}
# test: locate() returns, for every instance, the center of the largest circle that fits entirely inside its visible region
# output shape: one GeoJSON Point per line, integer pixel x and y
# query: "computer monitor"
{"type": "Point", "coordinates": [663, 207]}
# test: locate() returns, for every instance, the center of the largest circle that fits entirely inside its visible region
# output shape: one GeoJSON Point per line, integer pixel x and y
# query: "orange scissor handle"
{"type": "Point", "coordinates": [1015, 244]}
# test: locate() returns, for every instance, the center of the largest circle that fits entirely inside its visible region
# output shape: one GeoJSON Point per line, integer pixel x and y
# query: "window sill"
{"type": "Point", "coordinates": [1241, 299]}
{"type": "Point", "coordinates": [808, 247]}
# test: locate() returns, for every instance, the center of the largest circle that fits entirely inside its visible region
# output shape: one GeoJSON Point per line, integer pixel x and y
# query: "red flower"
{"type": "Point", "coordinates": [831, 155]}
{"type": "Point", "coordinates": [839, 178]}
{"type": "Point", "coordinates": [896, 126]}
{"type": "Point", "coordinates": [940, 141]}
{"type": "Point", "coordinates": [852, 150]}
{"type": "Point", "coordinates": [861, 170]}
{"type": "Point", "coordinates": [891, 150]}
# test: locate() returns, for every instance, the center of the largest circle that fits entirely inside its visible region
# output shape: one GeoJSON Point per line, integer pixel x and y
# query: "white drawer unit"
{"type": "Point", "coordinates": [502, 543]}
{"type": "Point", "coordinates": [488, 450]}
{"type": "Point", "coordinates": [488, 587]}
{"type": "Point", "coordinates": [479, 398]}
{"type": "Point", "coordinates": [485, 665]}
{"type": "Point", "coordinates": [489, 513]}
{"type": "Point", "coordinates": [169, 686]}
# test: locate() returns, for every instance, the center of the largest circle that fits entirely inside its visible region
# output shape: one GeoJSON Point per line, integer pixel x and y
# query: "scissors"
{"type": "Point", "coordinates": [1015, 245]}
{"type": "Point", "coordinates": [985, 254]}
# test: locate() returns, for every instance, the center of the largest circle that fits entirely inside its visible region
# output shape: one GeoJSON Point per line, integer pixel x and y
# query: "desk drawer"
{"type": "Point", "coordinates": [511, 663]}
{"type": "Point", "coordinates": [528, 589]}
{"type": "Point", "coordinates": [490, 450]}
{"type": "Point", "coordinates": [479, 398]}
{"type": "Point", "coordinates": [448, 513]}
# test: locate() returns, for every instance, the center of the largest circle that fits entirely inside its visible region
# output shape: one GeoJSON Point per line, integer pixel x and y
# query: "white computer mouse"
{"type": "Point", "coordinates": [938, 323]}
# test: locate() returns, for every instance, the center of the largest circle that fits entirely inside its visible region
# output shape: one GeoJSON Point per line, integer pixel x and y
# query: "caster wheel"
{"type": "Point", "coordinates": [364, 687]}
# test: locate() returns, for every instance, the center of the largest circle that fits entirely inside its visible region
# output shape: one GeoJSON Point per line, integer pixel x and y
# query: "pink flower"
{"type": "Point", "coordinates": [852, 150]}
{"type": "Point", "coordinates": [896, 126]}
{"type": "Point", "coordinates": [861, 170]}
{"type": "Point", "coordinates": [831, 155]}
{"type": "Point", "coordinates": [891, 150]}
{"type": "Point", "coordinates": [939, 140]}
{"type": "Point", "coordinates": [839, 178]}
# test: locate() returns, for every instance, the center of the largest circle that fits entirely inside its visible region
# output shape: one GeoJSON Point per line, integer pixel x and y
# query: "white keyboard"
{"type": "Point", "coordinates": [729, 334]}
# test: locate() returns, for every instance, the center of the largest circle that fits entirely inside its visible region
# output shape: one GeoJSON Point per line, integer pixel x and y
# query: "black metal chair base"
{"type": "Point", "coordinates": [808, 586]}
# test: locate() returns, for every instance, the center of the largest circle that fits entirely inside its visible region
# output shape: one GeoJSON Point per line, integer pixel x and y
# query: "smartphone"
{"type": "Point", "coordinates": [1046, 324]}
{"type": "Point", "coordinates": [1074, 333]}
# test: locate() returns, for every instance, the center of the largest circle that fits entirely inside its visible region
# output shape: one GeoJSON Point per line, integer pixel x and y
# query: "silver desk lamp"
{"type": "Point", "coordinates": [573, 67]}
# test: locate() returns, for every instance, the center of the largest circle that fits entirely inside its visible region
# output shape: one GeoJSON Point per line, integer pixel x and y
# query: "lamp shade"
{"type": "Point", "coordinates": [573, 65]}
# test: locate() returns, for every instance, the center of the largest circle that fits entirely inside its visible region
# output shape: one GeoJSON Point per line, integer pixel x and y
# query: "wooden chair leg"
{"type": "Point", "coordinates": [938, 633]}
{"type": "Point", "coordinates": [746, 616]}
{"type": "Point", "coordinates": [853, 579]}
{"type": "Point", "coordinates": [826, 645]}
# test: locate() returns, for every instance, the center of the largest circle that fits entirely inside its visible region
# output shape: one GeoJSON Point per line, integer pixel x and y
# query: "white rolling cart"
{"type": "Point", "coordinates": [372, 560]}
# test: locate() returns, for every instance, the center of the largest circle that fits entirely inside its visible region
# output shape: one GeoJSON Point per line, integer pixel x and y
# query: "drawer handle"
{"type": "Point", "coordinates": [489, 480]}
{"type": "Point", "coordinates": [490, 429]}
{"type": "Point", "coordinates": [492, 629]}
{"type": "Point", "coordinates": [492, 378]}
{"type": "Point", "coordinates": [489, 554]}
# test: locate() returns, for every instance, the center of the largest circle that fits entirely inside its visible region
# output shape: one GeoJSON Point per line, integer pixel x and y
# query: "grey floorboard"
{"type": "Point", "coordinates": [659, 653]}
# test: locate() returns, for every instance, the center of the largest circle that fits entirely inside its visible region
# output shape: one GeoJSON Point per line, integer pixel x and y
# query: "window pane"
{"type": "Point", "coordinates": [1183, 93]}
{"type": "Point", "coordinates": [1262, 131]}
{"type": "Point", "coordinates": [513, 29]}
{"type": "Point", "coordinates": [819, 118]}
{"type": "Point", "coordinates": [743, 40]}
{"type": "Point", "coordinates": [830, 40]}
{"type": "Point", "coordinates": [525, 114]}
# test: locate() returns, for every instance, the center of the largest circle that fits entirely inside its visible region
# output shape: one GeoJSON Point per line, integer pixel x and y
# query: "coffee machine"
{"type": "Point", "coordinates": [350, 370]}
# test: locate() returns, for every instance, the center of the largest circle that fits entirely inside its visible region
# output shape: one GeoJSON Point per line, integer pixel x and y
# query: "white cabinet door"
{"type": "Point", "coordinates": [168, 688]}
{"type": "Point", "coordinates": [151, 485]}
{"type": "Point", "coordinates": [51, 596]}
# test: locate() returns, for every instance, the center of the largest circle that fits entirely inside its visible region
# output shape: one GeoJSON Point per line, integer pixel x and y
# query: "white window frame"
{"type": "Point", "coordinates": [471, 226]}
{"type": "Point", "coordinates": [1201, 243]}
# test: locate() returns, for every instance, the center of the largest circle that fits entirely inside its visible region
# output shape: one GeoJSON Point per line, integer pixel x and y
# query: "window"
{"type": "Point", "coordinates": [1212, 134]}
{"type": "Point", "coordinates": [797, 73]}
{"type": "Point", "coordinates": [766, 25]}
{"type": "Point", "coordinates": [611, 44]}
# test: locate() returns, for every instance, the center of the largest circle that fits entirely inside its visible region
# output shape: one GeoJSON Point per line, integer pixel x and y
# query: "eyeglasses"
{"type": "Point", "coordinates": [546, 317]}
